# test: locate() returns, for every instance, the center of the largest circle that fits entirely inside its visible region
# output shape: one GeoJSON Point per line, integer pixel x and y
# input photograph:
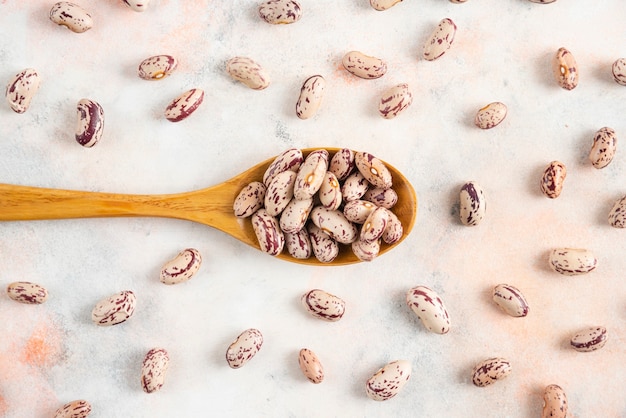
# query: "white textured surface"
{"type": "Point", "coordinates": [52, 354]}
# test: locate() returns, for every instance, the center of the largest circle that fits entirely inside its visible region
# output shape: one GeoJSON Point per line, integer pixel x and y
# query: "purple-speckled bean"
{"type": "Point", "coordinates": [323, 305]}
{"type": "Point", "coordinates": [311, 175]}
{"type": "Point", "coordinates": [184, 105]}
{"type": "Point", "coordinates": [554, 402]}
{"type": "Point", "coordinates": [386, 198]}
{"type": "Point", "coordinates": [388, 381]}
{"type": "Point", "coordinates": [565, 69]}
{"type": "Point", "coordinates": [490, 115]}
{"type": "Point", "coordinates": [153, 369]}
{"type": "Point", "coordinates": [381, 5]}
{"type": "Point", "coordinates": [490, 371]}
{"type": "Point", "coordinates": [572, 261]}
{"type": "Point", "coordinates": [618, 69]}
{"type": "Point", "coordinates": [271, 238]}
{"type": "Point", "coordinates": [280, 12]}
{"type": "Point", "coordinates": [157, 67]}
{"type": "Point", "coordinates": [244, 348]}
{"type": "Point", "coordinates": [342, 163]}
{"type": "Point", "coordinates": [364, 66]}
{"type": "Point", "coordinates": [249, 200]}
{"type": "Point", "coordinates": [335, 224]}
{"type": "Point", "coordinates": [248, 72]}
{"type": "Point", "coordinates": [137, 5]}
{"type": "Point", "coordinates": [603, 147]}
{"type": "Point", "coordinates": [27, 292]}
{"type": "Point", "coordinates": [354, 187]}
{"type": "Point", "coordinates": [298, 244]}
{"type": "Point", "coordinates": [553, 179]}
{"type": "Point", "coordinates": [22, 88]}
{"type": "Point", "coordinates": [617, 215]}
{"type": "Point", "coordinates": [357, 211]}
{"type": "Point", "coordinates": [290, 159]}
{"type": "Point", "coordinates": [311, 366]}
{"type": "Point", "coordinates": [311, 95]}
{"type": "Point", "coordinates": [375, 225]}
{"type": "Point", "coordinates": [330, 192]}
{"type": "Point", "coordinates": [366, 250]}
{"type": "Point", "coordinates": [373, 169]}
{"type": "Point", "coordinates": [324, 247]}
{"type": "Point", "coordinates": [429, 308]}
{"type": "Point", "coordinates": [589, 339]}
{"type": "Point", "coordinates": [75, 409]}
{"type": "Point", "coordinates": [510, 300]}
{"type": "Point", "coordinates": [440, 40]}
{"type": "Point", "coordinates": [473, 204]}
{"type": "Point", "coordinates": [394, 101]}
{"type": "Point", "coordinates": [279, 192]}
{"type": "Point", "coordinates": [182, 267]}
{"type": "Point", "coordinates": [115, 309]}
{"type": "Point", "coordinates": [72, 16]}
{"type": "Point", "coordinates": [394, 230]}
{"type": "Point", "coordinates": [294, 216]}
{"type": "Point", "coordinates": [89, 123]}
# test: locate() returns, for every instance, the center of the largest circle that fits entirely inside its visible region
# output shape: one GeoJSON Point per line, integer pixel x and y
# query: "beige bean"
{"type": "Point", "coordinates": [554, 402]}
{"type": "Point", "coordinates": [618, 69]}
{"type": "Point", "coordinates": [335, 224]}
{"type": "Point", "coordinates": [354, 187]}
{"type": "Point", "coordinates": [21, 89]}
{"type": "Point", "coordinates": [311, 366]}
{"type": "Point", "coordinates": [324, 247]}
{"type": "Point", "coordinates": [290, 159]}
{"type": "Point", "coordinates": [280, 12]}
{"type": "Point", "coordinates": [364, 66]}
{"type": "Point", "coordinates": [473, 204]}
{"type": "Point", "coordinates": [138, 5]}
{"type": "Point", "coordinates": [72, 16]}
{"type": "Point", "coordinates": [27, 292]}
{"type": "Point", "coordinates": [311, 175]}
{"type": "Point", "coordinates": [366, 250]}
{"type": "Point", "coordinates": [617, 215]}
{"type": "Point", "coordinates": [510, 300]}
{"type": "Point", "coordinates": [342, 163]}
{"type": "Point", "coordinates": [74, 409]}
{"type": "Point", "coordinates": [357, 210]}
{"type": "Point", "coordinates": [244, 348]}
{"type": "Point", "coordinates": [323, 305]}
{"type": "Point", "coordinates": [386, 198]}
{"type": "Point", "coordinates": [394, 101]}
{"type": "Point", "coordinates": [388, 381]}
{"type": "Point", "coordinates": [440, 40]}
{"type": "Point", "coordinates": [375, 225]}
{"type": "Point", "coordinates": [271, 238]}
{"type": "Point", "coordinates": [553, 179]}
{"type": "Point", "coordinates": [565, 69]}
{"type": "Point", "coordinates": [373, 170]}
{"type": "Point", "coordinates": [311, 95]}
{"type": "Point", "coordinates": [115, 309]}
{"type": "Point", "coordinates": [491, 115]}
{"type": "Point", "coordinates": [157, 67]}
{"type": "Point", "coordinates": [182, 267]}
{"type": "Point", "coordinates": [298, 244]}
{"type": "Point", "coordinates": [572, 261]}
{"type": "Point", "coordinates": [330, 192]}
{"type": "Point", "coordinates": [394, 230]}
{"type": "Point", "coordinates": [382, 5]}
{"type": "Point", "coordinates": [184, 105]}
{"type": "Point", "coordinates": [89, 123]}
{"type": "Point", "coordinates": [603, 148]}
{"type": "Point", "coordinates": [429, 308]}
{"type": "Point", "coordinates": [294, 216]}
{"type": "Point", "coordinates": [279, 192]}
{"type": "Point", "coordinates": [248, 72]}
{"type": "Point", "coordinates": [490, 371]}
{"type": "Point", "coordinates": [154, 369]}
{"type": "Point", "coordinates": [589, 339]}
{"type": "Point", "coordinates": [249, 200]}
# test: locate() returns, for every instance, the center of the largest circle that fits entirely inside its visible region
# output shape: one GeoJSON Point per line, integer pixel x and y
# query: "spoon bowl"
{"type": "Point", "coordinates": [212, 206]}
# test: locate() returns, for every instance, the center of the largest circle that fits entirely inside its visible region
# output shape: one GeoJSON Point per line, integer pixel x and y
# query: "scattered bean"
{"type": "Point", "coordinates": [490, 115]}
{"type": "Point", "coordinates": [388, 381]}
{"type": "Point", "coordinates": [115, 309]}
{"type": "Point", "coordinates": [553, 179]}
{"type": "Point", "coordinates": [72, 16]}
{"type": "Point", "coordinates": [473, 205]}
{"type": "Point", "coordinates": [381, 5]}
{"type": "Point", "coordinates": [429, 308]}
{"type": "Point", "coordinates": [490, 371]}
{"type": "Point", "coordinates": [554, 402]}
{"type": "Point", "coordinates": [364, 66]}
{"type": "Point", "coordinates": [280, 12]}
{"type": "Point", "coordinates": [244, 348]}
{"type": "Point", "coordinates": [89, 123]}
{"type": "Point", "coordinates": [589, 339]}
{"type": "Point", "coordinates": [74, 409]}
{"type": "Point", "coordinates": [565, 69]}
{"type": "Point", "coordinates": [138, 5]}
{"type": "Point", "coordinates": [394, 101]}
{"type": "Point", "coordinates": [157, 67]}
{"type": "Point", "coordinates": [617, 215]}
{"type": "Point", "coordinates": [572, 261]}
{"type": "Point", "coordinates": [323, 305]}
{"type": "Point", "coordinates": [27, 292]}
{"type": "Point", "coordinates": [311, 366]}
{"type": "Point", "coordinates": [184, 105]}
{"type": "Point", "coordinates": [510, 300]}
{"type": "Point", "coordinates": [250, 199]}
{"type": "Point", "coordinates": [311, 95]}
{"type": "Point", "coordinates": [618, 69]}
{"type": "Point", "coordinates": [440, 40]}
{"type": "Point", "coordinates": [271, 238]}
{"type": "Point", "coordinates": [182, 267]}
{"type": "Point", "coordinates": [21, 89]}
{"type": "Point", "coordinates": [153, 369]}
{"type": "Point", "coordinates": [248, 72]}
{"type": "Point", "coordinates": [603, 148]}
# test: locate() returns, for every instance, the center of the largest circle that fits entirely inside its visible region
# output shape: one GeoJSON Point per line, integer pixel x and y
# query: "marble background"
{"type": "Point", "coordinates": [52, 353]}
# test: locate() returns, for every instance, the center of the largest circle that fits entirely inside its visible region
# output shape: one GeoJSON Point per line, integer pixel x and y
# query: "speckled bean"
{"type": "Point", "coordinates": [249, 200]}
{"type": "Point", "coordinates": [429, 308]}
{"type": "Point", "coordinates": [357, 211]}
{"type": "Point", "coordinates": [388, 381]}
{"type": "Point", "coordinates": [115, 309]}
{"type": "Point", "coordinates": [373, 169]}
{"type": "Point", "coordinates": [279, 192]}
{"type": "Point", "coordinates": [440, 40]}
{"type": "Point", "coordinates": [553, 179]}
{"type": "Point", "coordinates": [294, 216]}
{"type": "Point", "coordinates": [74, 409]}
{"type": "Point", "coordinates": [27, 292]}
{"type": "Point", "coordinates": [298, 244]}
{"type": "Point", "coordinates": [182, 267]}
{"type": "Point", "coordinates": [137, 5]}
{"type": "Point", "coordinates": [342, 163]}
{"type": "Point", "coordinates": [366, 250]}
{"type": "Point", "coordinates": [311, 366]}
{"type": "Point", "coordinates": [394, 230]}
{"type": "Point", "coordinates": [565, 69]}
{"type": "Point", "coordinates": [311, 95]}
{"type": "Point", "coordinates": [490, 115]}
{"type": "Point", "coordinates": [153, 369]}
{"type": "Point", "coordinates": [375, 225]}
{"type": "Point", "coordinates": [354, 187]}
{"type": "Point", "coordinates": [335, 224]}
{"type": "Point", "coordinates": [248, 72]}
{"type": "Point", "coordinates": [330, 192]}
{"type": "Point", "coordinates": [510, 300]}
{"type": "Point", "coordinates": [89, 123]}
{"type": "Point", "coordinates": [311, 175]}
{"type": "Point", "coordinates": [554, 402]}
{"type": "Point", "coordinates": [157, 67]}
{"type": "Point", "coordinates": [394, 101]}
{"type": "Point", "coordinates": [473, 204]}
{"type": "Point", "coordinates": [72, 16]}
{"type": "Point", "coordinates": [184, 105]}
{"type": "Point", "coordinates": [603, 147]}
{"type": "Point", "coordinates": [572, 261]}
{"type": "Point", "coordinates": [382, 5]}
{"type": "Point", "coordinates": [386, 198]}
{"type": "Point", "coordinates": [490, 371]}
{"type": "Point", "coordinates": [290, 159]}
{"type": "Point", "coordinates": [458, 1]}
{"type": "Point", "coordinates": [617, 215]}
{"type": "Point", "coordinates": [22, 88]}
{"type": "Point", "coordinates": [324, 247]}
{"type": "Point", "coordinates": [271, 238]}
{"type": "Point", "coordinates": [323, 305]}
{"type": "Point", "coordinates": [244, 348]}
{"type": "Point", "coordinates": [543, 1]}
{"type": "Point", "coordinates": [280, 12]}
{"type": "Point", "coordinates": [364, 66]}
{"type": "Point", "coordinates": [618, 69]}
{"type": "Point", "coordinates": [589, 339]}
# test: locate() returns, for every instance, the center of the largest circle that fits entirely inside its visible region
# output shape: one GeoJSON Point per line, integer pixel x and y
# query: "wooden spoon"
{"type": "Point", "coordinates": [212, 206]}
